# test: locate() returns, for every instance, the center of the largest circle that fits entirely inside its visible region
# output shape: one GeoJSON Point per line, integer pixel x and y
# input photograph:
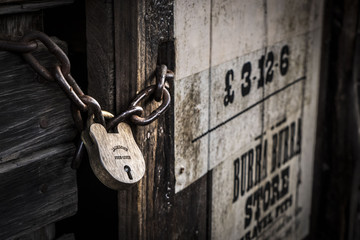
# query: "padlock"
{"type": "Point", "coordinates": [115, 158]}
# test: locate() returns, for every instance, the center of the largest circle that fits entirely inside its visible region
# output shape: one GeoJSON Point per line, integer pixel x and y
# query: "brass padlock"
{"type": "Point", "coordinates": [114, 157]}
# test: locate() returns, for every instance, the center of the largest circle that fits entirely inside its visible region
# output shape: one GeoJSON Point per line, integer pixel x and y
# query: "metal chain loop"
{"type": "Point", "coordinates": [81, 102]}
{"type": "Point", "coordinates": [160, 82]}
{"type": "Point", "coordinates": [52, 48]}
{"type": "Point", "coordinates": [123, 116]}
{"type": "Point", "coordinates": [18, 47]}
{"type": "Point", "coordinates": [162, 74]}
{"type": "Point", "coordinates": [94, 108]}
{"type": "Point", "coordinates": [69, 90]}
{"type": "Point", "coordinates": [145, 94]}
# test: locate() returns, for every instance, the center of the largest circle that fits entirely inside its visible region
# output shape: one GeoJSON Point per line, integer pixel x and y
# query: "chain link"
{"type": "Point", "coordinates": [161, 75]}
{"type": "Point", "coordinates": [52, 47]}
{"type": "Point", "coordinates": [18, 47]}
{"type": "Point", "coordinates": [85, 103]}
{"type": "Point", "coordinates": [69, 90]}
{"type": "Point", "coordinates": [145, 94]}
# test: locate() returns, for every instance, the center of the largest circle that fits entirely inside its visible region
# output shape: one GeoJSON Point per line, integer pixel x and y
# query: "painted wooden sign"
{"type": "Point", "coordinates": [245, 108]}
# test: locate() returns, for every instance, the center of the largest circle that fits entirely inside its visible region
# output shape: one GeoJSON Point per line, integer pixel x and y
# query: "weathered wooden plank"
{"type": "Point", "coordinates": [354, 210]}
{"type": "Point", "coordinates": [34, 115]}
{"type": "Point", "coordinates": [12, 27]}
{"type": "Point", "coordinates": [38, 186]}
{"type": "Point", "coordinates": [229, 112]}
{"type": "Point", "coordinates": [127, 49]}
{"type": "Point", "coordinates": [127, 44]}
{"type": "Point", "coordinates": [151, 210]}
{"type": "Point", "coordinates": [191, 215]}
{"type": "Point", "coordinates": [45, 233]}
{"type": "Point", "coordinates": [100, 69]}
{"type": "Point", "coordinates": [322, 132]}
{"type": "Point", "coordinates": [16, 6]}
{"type": "Point", "coordinates": [37, 190]}
{"type": "Point", "coordinates": [69, 236]}
{"type": "Point", "coordinates": [100, 52]}
{"type": "Point", "coordinates": [339, 148]}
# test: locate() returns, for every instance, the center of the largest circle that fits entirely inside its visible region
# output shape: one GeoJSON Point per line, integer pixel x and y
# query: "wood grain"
{"type": "Point", "coordinates": [100, 70]}
{"type": "Point", "coordinates": [37, 185]}
{"type": "Point", "coordinates": [16, 6]}
{"type": "Point", "coordinates": [126, 49]}
{"type": "Point", "coordinates": [45, 233]}
{"type": "Point", "coordinates": [335, 198]}
{"type": "Point", "coordinates": [140, 36]}
{"type": "Point", "coordinates": [69, 236]}
{"type": "Point", "coordinates": [100, 52]}
{"type": "Point", "coordinates": [152, 210]}
{"type": "Point", "coordinates": [34, 115]}
{"type": "Point", "coordinates": [13, 26]}
{"type": "Point", "coordinates": [115, 157]}
{"type": "Point", "coordinates": [37, 190]}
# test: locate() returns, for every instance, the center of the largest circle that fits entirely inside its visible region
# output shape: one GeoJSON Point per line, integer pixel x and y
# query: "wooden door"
{"type": "Point", "coordinates": [252, 146]}
{"type": "Point", "coordinates": [248, 100]}
{"type": "Point", "coordinates": [246, 87]}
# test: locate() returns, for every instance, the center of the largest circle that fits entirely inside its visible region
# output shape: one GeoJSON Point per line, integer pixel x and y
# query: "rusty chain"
{"type": "Point", "coordinates": [85, 103]}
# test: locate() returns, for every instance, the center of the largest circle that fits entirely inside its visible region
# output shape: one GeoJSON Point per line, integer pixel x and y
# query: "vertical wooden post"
{"type": "Point", "coordinates": [100, 52]}
{"type": "Point", "coordinates": [101, 86]}
{"type": "Point", "coordinates": [338, 138]}
{"type": "Point", "coordinates": [127, 22]}
{"type": "Point", "coordinates": [139, 36]}
{"type": "Point", "coordinates": [151, 210]}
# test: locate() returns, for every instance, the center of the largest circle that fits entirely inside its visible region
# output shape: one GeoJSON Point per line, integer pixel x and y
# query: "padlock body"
{"type": "Point", "coordinates": [114, 157]}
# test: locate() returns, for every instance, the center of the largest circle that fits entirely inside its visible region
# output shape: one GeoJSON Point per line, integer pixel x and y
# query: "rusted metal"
{"type": "Point", "coordinates": [69, 89]}
{"type": "Point", "coordinates": [83, 102]}
{"type": "Point", "coordinates": [94, 108]}
{"type": "Point", "coordinates": [18, 47]}
{"type": "Point", "coordinates": [161, 75]}
{"type": "Point", "coordinates": [52, 48]}
{"type": "Point", "coordinates": [80, 101]}
{"type": "Point", "coordinates": [74, 85]}
{"type": "Point", "coordinates": [77, 118]}
{"type": "Point", "coordinates": [160, 82]}
{"type": "Point", "coordinates": [145, 94]}
{"type": "Point", "coordinates": [123, 116]}
{"type": "Point", "coordinates": [79, 154]}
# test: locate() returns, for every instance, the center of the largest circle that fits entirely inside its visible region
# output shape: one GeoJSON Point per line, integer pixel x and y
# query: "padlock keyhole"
{"type": "Point", "coordinates": [128, 171]}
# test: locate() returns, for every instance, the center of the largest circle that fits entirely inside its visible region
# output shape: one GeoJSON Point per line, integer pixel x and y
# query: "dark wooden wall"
{"type": "Point", "coordinates": [126, 40]}
{"type": "Point", "coordinates": [335, 206]}
{"type": "Point", "coordinates": [37, 185]}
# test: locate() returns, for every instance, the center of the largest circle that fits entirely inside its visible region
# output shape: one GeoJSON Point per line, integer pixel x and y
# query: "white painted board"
{"type": "Point", "coordinates": [246, 93]}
